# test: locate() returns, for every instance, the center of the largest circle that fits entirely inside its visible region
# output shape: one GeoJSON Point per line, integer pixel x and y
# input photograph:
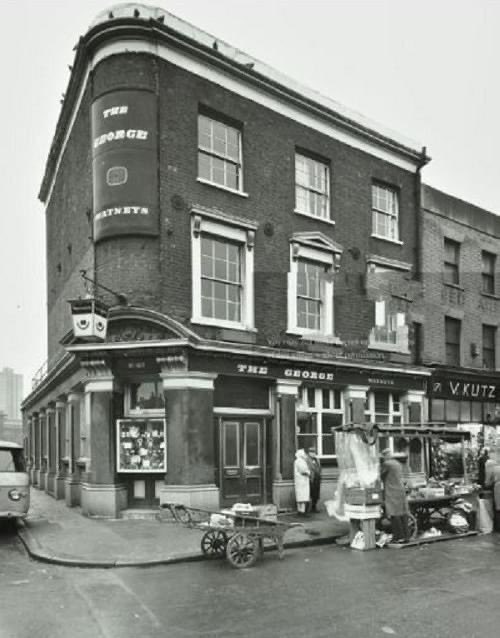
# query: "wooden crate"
{"type": "Point", "coordinates": [367, 526]}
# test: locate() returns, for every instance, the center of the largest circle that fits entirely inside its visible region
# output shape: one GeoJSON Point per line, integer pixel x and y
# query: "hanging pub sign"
{"type": "Point", "coordinates": [90, 318]}
{"type": "Point", "coordinates": [124, 164]}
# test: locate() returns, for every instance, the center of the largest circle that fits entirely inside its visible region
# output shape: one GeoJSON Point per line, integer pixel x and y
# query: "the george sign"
{"type": "Point", "coordinates": [307, 372]}
{"type": "Point", "coordinates": [465, 389]}
{"type": "Point", "coordinates": [124, 162]}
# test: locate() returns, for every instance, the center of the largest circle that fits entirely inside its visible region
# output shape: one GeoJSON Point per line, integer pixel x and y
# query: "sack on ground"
{"type": "Point", "coordinates": [457, 523]}
{"type": "Point", "coordinates": [358, 542]}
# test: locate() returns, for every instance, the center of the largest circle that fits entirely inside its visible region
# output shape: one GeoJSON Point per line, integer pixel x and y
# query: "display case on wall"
{"type": "Point", "coordinates": [141, 445]}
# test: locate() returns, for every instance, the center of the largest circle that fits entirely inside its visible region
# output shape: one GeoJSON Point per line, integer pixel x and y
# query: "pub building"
{"type": "Point", "coordinates": [224, 238]}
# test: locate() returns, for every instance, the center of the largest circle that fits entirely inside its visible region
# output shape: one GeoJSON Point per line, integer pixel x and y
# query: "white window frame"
{"type": "Point", "coordinates": [393, 214]}
{"type": "Point", "coordinates": [327, 259]}
{"type": "Point", "coordinates": [309, 188]}
{"type": "Point", "coordinates": [370, 411]}
{"type": "Point", "coordinates": [318, 410]}
{"type": "Point", "coordinates": [244, 236]}
{"type": "Point", "coordinates": [387, 323]}
{"type": "Point", "coordinates": [227, 159]}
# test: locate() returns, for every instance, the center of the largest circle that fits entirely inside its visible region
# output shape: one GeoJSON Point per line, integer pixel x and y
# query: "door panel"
{"type": "Point", "coordinates": [252, 463]}
{"type": "Point", "coordinates": [231, 465]}
{"type": "Point", "coordinates": [242, 460]}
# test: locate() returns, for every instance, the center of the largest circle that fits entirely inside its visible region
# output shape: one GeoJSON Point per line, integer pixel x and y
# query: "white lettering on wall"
{"type": "Point", "coordinates": [121, 134]}
{"type": "Point", "coordinates": [122, 210]}
{"type": "Point", "coordinates": [115, 110]}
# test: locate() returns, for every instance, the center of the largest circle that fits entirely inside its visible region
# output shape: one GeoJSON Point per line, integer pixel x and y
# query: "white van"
{"type": "Point", "coordinates": [14, 481]}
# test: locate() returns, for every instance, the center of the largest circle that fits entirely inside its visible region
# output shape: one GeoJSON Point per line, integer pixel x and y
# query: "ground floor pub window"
{"type": "Point", "coordinates": [318, 411]}
{"type": "Point", "coordinates": [141, 445]}
{"type": "Point", "coordinates": [385, 407]}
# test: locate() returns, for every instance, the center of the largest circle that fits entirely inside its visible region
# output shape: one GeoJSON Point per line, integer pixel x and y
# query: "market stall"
{"type": "Point", "coordinates": [438, 471]}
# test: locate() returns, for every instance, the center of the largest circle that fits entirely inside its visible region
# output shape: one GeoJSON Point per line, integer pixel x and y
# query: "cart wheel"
{"type": "Point", "coordinates": [242, 550]}
{"type": "Point", "coordinates": [412, 527]}
{"type": "Point", "coordinates": [213, 543]}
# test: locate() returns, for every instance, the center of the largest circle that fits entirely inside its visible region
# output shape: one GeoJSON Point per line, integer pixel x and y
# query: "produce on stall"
{"type": "Point", "coordinates": [438, 471]}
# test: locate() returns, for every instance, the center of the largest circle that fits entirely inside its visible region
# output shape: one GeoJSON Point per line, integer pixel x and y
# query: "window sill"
{"type": "Point", "coordinates": [388, 239]}
{"type": "Point", "coordinates": [490, 295]}
{"type": "Point", "coordinates": [221, 187]}
{"type": "Point", "coordinates": [315, 217]}
{"type": "Point", "coordinates": [388, 347]}
{"type": "Point", "coordinates": [451, 285]}
{"type": "Point", "coordinates": [220, 323]}
{"type": "Point", "coordinates": [314, 336]}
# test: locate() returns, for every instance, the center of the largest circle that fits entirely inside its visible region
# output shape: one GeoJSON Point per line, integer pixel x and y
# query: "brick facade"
{"type": "Point", "coordinates": [156, 273]}
{"type": "Point", "coordinates": [475, 230]}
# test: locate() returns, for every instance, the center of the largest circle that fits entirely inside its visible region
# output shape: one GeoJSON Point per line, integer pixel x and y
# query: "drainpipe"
{"type": "Point", "coordinates": [420, 221]}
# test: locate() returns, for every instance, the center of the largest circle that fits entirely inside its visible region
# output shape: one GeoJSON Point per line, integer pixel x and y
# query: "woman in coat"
{"type": "Point", "coordinates": [395, 501]}
{"type": "Point", "coordinates": [301, 474]}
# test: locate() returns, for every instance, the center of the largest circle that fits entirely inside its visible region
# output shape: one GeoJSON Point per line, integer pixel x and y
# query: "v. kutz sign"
{"type": "Point", "coordinates": [466, 390]}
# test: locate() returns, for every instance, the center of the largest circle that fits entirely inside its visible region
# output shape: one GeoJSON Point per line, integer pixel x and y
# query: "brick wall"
{"type": "Point", "coordinates": [157, 272]}
{"type": "Point", "coordinates": [446, 216]}
{"type": "Point", "coordinates": [69, 229]}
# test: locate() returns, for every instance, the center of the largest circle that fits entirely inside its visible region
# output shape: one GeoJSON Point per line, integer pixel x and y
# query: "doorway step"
{"type": "Point", "coordinates": [140, 514]}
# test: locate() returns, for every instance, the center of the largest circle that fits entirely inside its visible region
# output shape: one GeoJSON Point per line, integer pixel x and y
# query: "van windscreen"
{"type": "Point", "coordinates": [11, 460]}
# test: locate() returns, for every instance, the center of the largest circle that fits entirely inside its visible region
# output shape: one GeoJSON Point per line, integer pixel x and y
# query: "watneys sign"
{"type": "Point", "coordinates": [124, 160]}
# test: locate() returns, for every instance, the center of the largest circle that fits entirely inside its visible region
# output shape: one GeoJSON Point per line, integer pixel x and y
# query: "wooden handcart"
{"type": "Point", "coordinates": [237, 536]}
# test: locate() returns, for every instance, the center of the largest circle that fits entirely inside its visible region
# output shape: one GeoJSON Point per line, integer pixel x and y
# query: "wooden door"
{"type": "Point", "coordinates": [242, 460]}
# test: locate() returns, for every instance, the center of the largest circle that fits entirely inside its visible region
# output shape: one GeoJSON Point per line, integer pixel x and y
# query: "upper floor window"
{"type": "Point", "coordinates": [488, 272]}
{"type": "Point", "coordinates": [452, 329]}
{"type": "Point", "coordinates": [451, 261]}
{"type": "Point", "coordinates": [385, 212]}
{"type": "Point", "coordinates": [310, 276]}
{"type": "Point", "coordinates": [222, 274]}
{"type": "Point", "coordinates": [390, 331]}
{"type": "Point", "coordinates": [489, 339]}
{"type": "Point", "coordinates": [312, 179]}
{"type": "Point", "coordinates": [219, 153]}
{"type": "Point", "coordinates": [318, 410]}
{"type": "Point", "coordinates": [221, 280]}
{"type": "Point", "coordinates": [310, 285]}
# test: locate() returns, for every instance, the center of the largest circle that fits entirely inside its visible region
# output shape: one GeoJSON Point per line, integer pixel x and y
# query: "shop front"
{"type": "Point", "coordinates": [265, 408]}
{"type": "Point", "coordinates": [468, 399]}
{"type": "Point", "coordinates": [155, 415]}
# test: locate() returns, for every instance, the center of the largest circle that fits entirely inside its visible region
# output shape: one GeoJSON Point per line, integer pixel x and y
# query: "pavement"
{"type": "Point", "coordinates": [55, 533]}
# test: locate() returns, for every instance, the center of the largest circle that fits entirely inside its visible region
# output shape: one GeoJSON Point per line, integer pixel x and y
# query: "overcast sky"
{"type": "Point", "coordinates": [427, 69]}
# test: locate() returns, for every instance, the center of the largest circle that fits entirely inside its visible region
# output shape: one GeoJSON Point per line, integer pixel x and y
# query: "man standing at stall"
{"type": "Point", "coordinates": [395, 501]}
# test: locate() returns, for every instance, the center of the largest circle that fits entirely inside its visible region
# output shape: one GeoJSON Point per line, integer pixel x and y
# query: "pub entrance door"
{"type": "Point", "coordinates": [242, 460]}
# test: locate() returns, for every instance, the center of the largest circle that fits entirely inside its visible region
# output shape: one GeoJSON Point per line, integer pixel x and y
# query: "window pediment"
{"type": "Point", "coordinates": [318, 240]}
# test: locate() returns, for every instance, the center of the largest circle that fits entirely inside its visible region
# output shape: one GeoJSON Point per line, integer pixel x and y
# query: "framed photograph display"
{"type": "Point", "coordinates": [141, 445]}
